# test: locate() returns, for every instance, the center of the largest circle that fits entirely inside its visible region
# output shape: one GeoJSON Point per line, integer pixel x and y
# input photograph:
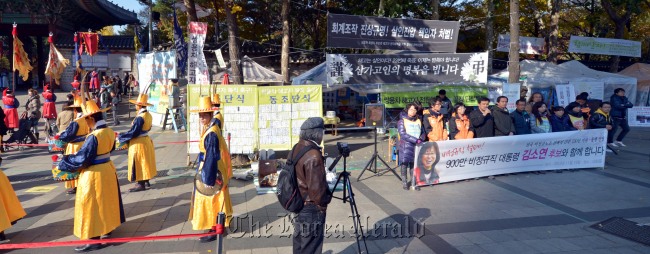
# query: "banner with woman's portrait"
{"type": "Point", "coordinates": [453, 160]}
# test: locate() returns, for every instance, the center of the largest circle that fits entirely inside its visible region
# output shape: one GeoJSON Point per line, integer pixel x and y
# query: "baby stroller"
{"type": "Point", "coordinates": [24, 134]}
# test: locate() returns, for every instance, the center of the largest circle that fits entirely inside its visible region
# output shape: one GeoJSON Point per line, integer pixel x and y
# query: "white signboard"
{"type": "Point", "coordinates": [222, 63]}
{"type": "Point", "coordinates": [197, 67]}
{"type": "Point", "coordinates": [453, 160]}
{"type": "Point", "coordinates": [512, 91]}
{"type": "Point", "coordinates": [604, 46]}
{"type": "Point", "coordinates": [155, 71]}
{"type": "Point", "coordinates": [119, 61]}
{"type": "Point", "coordinates": [639, 116]}
{"type": "Point", "coordinates": [596, 90]}
{"type": "Point", "coordinates": [96, 61]}
{"type": "Point", "coordinates": [565, 94]}
{"type": "Point", "coordinates": [527, 45]}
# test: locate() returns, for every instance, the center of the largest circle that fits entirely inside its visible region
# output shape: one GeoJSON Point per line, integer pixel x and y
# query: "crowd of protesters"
{"type": "Point", "coordinates": [442, 122]}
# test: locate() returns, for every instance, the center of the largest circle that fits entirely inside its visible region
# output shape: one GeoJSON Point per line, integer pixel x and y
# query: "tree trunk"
{"type": "Point", "coordinates": [380, 10]}
{"type": "Point", "coordinates": [553, 34]}
{"type": "Point", "coordinates": [489, 33]}
{"type": "Point", "coordinates": [315, 28]}
{"type": "Point", "coordinates": [233, 44]}
{"type": "Point", "coordinates": [513, 56]}
{"type": "Point", "coordinates": [191, 10]}
{"type": "Point", "coordinates": [619, 31]}
{"type": "Point", "coordinates": [285, 42]}
{"type": "Point", "coordinates": [435, 9]}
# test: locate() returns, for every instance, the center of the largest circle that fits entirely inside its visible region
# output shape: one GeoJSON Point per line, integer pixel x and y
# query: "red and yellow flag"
{"type": "Point", "coordinates": [21, 61]}
{"type": "Point", "coordinates": [56, 62]}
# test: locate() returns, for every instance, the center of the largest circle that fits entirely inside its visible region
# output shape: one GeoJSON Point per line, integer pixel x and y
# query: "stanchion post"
{"type": "Point", "coordinates": [221, 222]}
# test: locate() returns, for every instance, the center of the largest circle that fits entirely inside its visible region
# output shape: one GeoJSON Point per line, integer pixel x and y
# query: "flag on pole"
{"type": "Point", "coordinates": [56, 62]}
{"type": "Point", "coordinates": [20, 59]}
{"type": "Point", "coordinates": [136, 41]}
{"type": "Point", "coordinates": [91, 41]}
{"type": "Point", "coordinates": [77, 54]}
{"type": "Point", "coordinates": [181, 46]}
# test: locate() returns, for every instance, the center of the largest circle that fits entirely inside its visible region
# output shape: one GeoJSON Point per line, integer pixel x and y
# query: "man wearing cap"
{"type": "Point", "coordinates": [98, 205]}
{"type": "Point", "coordinates": [310, 172]}
{"type": "Point", "coordinates": [74, 135]}
{"type": "Point", "coordinates": [214, 173]}
{"type": "Point", "coordinates": [142, 157]}
{"type": "Point", "coordinates": [11, 108]}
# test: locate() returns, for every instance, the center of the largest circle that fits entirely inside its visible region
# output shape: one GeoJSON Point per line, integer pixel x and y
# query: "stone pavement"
{"type": "Point", "coordinates": [523, 213]}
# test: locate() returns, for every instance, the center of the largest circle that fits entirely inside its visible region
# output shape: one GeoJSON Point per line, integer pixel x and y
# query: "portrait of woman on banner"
{"type": "Point", "coordinates": [426, 159]}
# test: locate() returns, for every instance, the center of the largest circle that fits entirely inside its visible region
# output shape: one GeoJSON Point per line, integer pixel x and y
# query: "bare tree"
{"type": "Point", "coordinates": [553, 45]}
{"type": "Point", "coordinates": [191, 10]}
{"type": "Point", "coordinates": [233, 44]}
{"type": "Point", "coordinates": [513, 56]}
{"type": "Point", "coordinates": [285, 42]}
{"type": "Point", "coordinates": [489, 33]}
{"type": "Point", "coordinates": [435, 9]}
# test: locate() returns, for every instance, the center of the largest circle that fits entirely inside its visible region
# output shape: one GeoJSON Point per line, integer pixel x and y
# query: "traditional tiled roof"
{"type": "Point", "coordinates": [112, 42]}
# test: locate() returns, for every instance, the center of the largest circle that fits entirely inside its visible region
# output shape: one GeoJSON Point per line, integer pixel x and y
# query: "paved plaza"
{"type": "Point", "coordinates": [521, 213]}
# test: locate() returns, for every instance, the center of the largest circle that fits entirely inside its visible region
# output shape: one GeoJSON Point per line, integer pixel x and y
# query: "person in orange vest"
{"type": "Point", "coordinates": [434, 123]}
{"type": "Point", "coordinates": [459, 125]}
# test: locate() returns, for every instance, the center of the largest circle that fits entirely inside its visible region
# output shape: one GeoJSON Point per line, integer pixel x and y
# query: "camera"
{"type": "Point", "coordinates": [344, 149]}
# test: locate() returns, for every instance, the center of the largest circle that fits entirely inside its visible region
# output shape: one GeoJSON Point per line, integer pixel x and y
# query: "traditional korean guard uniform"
{"type": "Point", "coordinates": [98, 204]}
{"type": "Point", "coordinates": [213, 170]}
{"type": "Point", "coordinates": [10, 208]}
{"type": "Point", "coordinates": [142, 157]}
{"type": "Point", "coordinates": [11, 108]}
{"type": "Point", "coordinates": [216, 103]}
{"type": "Point", "coordinates": [74, 135]}
{"type": "Point", "coordinates": [49, 107]}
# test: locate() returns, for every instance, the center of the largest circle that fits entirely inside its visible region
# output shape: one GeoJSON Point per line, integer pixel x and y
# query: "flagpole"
{"type": "Point", "coordinates": [13, 58]}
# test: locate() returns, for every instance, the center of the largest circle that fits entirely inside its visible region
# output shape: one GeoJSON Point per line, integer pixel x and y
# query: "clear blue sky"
{"type": "Point", "coordinates": [132, 5]}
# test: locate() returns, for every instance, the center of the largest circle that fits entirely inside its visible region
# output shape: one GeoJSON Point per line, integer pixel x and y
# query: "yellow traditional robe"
{"type": "Point", "coordinates": [73, 147]}
{"type": "Point", "coordinates": [10, 207]}
{"type": "Point", "coordinates": [142, 157]}
{"type": "Point", "coordinates": [205, 209]}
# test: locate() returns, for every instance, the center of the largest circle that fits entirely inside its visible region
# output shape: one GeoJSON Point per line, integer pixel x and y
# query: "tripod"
{"type": "Point", "coordinates": [348, 196]}
{"type": "Point", "coordinates": [373, 162]}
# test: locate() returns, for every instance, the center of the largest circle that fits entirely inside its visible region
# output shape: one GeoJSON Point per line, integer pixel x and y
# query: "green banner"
{"type": "Point", "coordinates": [465, 94]}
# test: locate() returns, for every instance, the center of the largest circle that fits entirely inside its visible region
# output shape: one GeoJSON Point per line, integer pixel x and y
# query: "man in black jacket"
{"type": "Point", "coordinates": [503, 125]}
{"type": "Point", "coordinates": [446, 106]}
{"type": "Point", "coordinates": [482, 119]}
{"type": "Point", "coordinates": [620, 104]}
{"type": "Point", "coordinates": [602, 119]}
{"type": "Point", "coordinates": [521, 118]}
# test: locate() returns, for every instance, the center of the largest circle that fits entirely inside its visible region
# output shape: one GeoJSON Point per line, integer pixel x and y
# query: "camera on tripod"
{"type": "Point", "coordinates": [344, 149]}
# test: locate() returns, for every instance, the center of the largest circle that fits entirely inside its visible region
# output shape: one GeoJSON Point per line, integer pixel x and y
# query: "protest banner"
{"type": "Point", "coordinates": [155, 71]}
{"type": "Point", "coordinates": [638, 116]}
{"type": "Point", "coordinates": [596, 90]}
{"type": "Point", "coordinates": [407, 68]}
{"type": "Point", "coordinates": [512, 92]}
{"type": "Point", "coordinates": [348, 31]}
{"type": "Point", "coordinates": [565, 94]}
{"type": "Point", "coordinates": [465, 94]}
{"type": "Point", "coordinates": [453, 160]}
{"type": "Point", "coordinates": [604, 46]}
{"type": "Point", "coordinates": [239, 109]}
{"type": "Point", "coordinates": [197, 67]}
{"type": "Point", "coordinates": [527, 45]}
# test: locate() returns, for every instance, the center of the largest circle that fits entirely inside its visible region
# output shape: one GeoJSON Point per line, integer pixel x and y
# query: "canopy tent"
{"type": "Point", "coordinates": [641, 72]}
{"type": "Point", "coordinates": [254, 73]}
{"type": "Point", "coordinates": [544, 74]}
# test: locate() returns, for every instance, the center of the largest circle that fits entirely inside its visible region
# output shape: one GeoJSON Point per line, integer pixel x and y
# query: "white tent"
{"type": "Point", "coordinates": [253, 73]}
{"type": "Point", "coordinates": [641, 72]}
{"type": "Point", "coordinates": [545, 74]}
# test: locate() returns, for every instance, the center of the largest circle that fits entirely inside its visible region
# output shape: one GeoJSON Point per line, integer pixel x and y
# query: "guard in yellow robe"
{"type": "Point", "coordinates": [213, 174]}
{"type": "Point", "coordinates": [98, 205]}
{"type": "Point", "coordinates": [142, 157]}
{"type": "Point", "coordinates": [216, 103]}
{"type": "Point", "coordinates": [218, 121]}
{"type": "Point", "coordinates": [10, 208]}
{"type": "Point", "coordinates": [74, 135]}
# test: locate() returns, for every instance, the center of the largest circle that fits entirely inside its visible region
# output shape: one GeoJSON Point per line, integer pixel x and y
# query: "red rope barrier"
{"type": "Point", "coordinates": [158, 143]}
{"type": "Point", "coordinates": [111, 240]}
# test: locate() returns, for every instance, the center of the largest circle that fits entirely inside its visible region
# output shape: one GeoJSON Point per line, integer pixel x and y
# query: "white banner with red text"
{"type": "Point", "coordinates": [453, 160]}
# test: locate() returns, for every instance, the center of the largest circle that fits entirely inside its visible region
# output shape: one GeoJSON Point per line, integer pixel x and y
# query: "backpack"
{"type": "Point", "coordinates": [287, 190]}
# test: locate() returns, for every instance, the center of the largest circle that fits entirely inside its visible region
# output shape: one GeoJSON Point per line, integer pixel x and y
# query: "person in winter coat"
{"type": "Point", "coordinates": [411, 133]}
{"type": "Point", "coordinates": [434, 123]}
{"type": "Point", "coordinates": [620, 104]}
{"type": "Point", "coordinates": [503, 125]}
{"type": "Point", "coordinates": [11, 108]}
{"type": "Point", "coordinates": [560, 121]}
{"type": "Point", "coordinates": [67, 115]}
{"type": "Point", "coordinates": [534, 98]}
{"type": "Point", "coordinates": [459, 125]}
{"type": "Point", "coordinates": [521, 118]}
{"type": "Point", "coordinates": [446, 106]}
{"type": "Point", "coordinates": [33, 109]}
{"type": "Point", "coordinates": [601, 119]}
{"type": "Point", "coordinates": [539, 123]}
{"type": "Point", "coordinates": [576, 117]}
{"type": "Point", "coordinates": [482, 119]}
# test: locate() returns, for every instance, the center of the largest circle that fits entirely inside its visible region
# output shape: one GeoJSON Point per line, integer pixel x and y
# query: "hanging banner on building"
{"type": "Point", "coordinates": [197, 68]}
{"type": "Point", "coordinates": [465, 94]}
{"type": "Point", "coordinates": [639, 116]}
{"type": "Point", "coordinates": [596, 90]}
{"type": "Point", "coordinates": [406, 68]}
{"type": "Point", "coordinates": [453, 160]}
{"type": "Point", "coordinates": [282, 110]}
{"type": "Point", "coordinates": [155, 71]}
{"type": "Point", "coordinates": [348, 31]}
{"type": "Point", "coordinates": [565, 94]}
{"type": "Point", "coordinates": [604, 46]}
{"type": "Point", "coordinates": [527, 45]}
{"type": "Point", "coordinates": [512, 91]}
